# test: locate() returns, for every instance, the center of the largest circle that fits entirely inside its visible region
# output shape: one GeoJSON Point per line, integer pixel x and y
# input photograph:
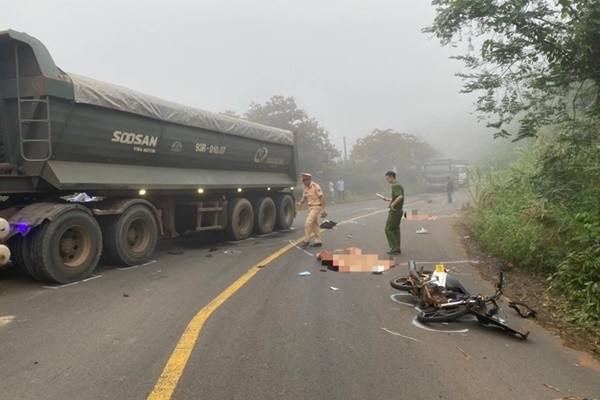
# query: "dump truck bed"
{"type": "Point", "coordinates": [65, 132]}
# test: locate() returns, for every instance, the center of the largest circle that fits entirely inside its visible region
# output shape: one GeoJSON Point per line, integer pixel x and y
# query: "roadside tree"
{"type": "Point", "coordinates": [385, 150]}
{"type": "Point", "coordinates": [533, 60]}
{"type": "Point", "coordinates": [315, 152]}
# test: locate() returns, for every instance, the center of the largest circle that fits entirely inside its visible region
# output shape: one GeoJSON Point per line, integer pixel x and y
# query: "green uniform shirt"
{"type": "Point", "coordinates": [398, 190]}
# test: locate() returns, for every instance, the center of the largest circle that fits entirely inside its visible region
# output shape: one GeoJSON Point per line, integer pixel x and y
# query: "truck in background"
{"type": "Point", "coordinates": [90, 170]}
{"type": "Point", "coordinates": [462, 174]}
{"type": "Point", "coordinates": [436, 173]}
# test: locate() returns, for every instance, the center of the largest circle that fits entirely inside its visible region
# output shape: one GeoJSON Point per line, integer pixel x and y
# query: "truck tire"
{"type": "Point", "coordinates": [264, 215]}
{"type": "Point", "coordinates": [19, 256]}
{"type": "Point", "coordinates": [67, 249]}
{"type": "Point", "coordinates": [241, 219]}
{"type": "Point", "coordinates": [285, 211]}
{"type": "Point", "coordinates": [129, 238]}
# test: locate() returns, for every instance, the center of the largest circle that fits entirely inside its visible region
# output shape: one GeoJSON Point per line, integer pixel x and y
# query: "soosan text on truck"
{"type": "Point", "coordinates": [150, 167]}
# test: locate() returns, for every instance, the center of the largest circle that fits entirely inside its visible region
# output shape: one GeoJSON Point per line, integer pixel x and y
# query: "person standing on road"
{"type": "Point", "coordinates": [392, 225]}
{"type": "Point", "coordinates": [449, 189]}
{"type": "Point", "coordinates": [313, 195]}
{"type": "Point", "coordinates": [332, 191]}
{"type": "Point", "coordinates": [341, 189]}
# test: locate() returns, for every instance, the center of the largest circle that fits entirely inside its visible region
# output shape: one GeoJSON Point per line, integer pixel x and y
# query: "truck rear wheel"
{"type": "Point", "coordinates": [67, 249]}
{"type": "Point", "coordinates": [264, 215]}
{"type": "Point", "coordinates": [130, 238]}
{"type": "Point", "coordinates": [241, 219]}
{"type": "Point", "coordinates": [285, 211]}
{"type": "Point", "coordinates": [19, 256]}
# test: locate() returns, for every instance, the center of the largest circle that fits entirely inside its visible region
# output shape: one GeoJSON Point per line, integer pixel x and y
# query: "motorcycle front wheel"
{"type": "Point", "coordinates": [442, 314]}
{"type": "Point", "coordinates": [405, 284]}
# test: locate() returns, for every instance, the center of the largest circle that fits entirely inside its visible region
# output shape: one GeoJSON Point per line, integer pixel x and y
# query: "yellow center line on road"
{"type": "Point", "coordinates": [165, 386]}
{"type": "Point", "coordinates": [168, 379]}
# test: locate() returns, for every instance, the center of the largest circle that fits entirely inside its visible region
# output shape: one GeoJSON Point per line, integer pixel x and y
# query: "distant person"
{"type": "Point", "coordinates": [392, 225]}
{"type": "Point", "coordinates": [332, 190]}
{"type": "Point", "coordinates": [341, 189]}
{"type": "Point", "coordinates": [449, 188]}
{"type": "Point", "coordinates": [313, 195]}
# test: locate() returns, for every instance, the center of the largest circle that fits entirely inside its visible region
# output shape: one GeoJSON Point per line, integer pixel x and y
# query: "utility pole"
{"type": "Point", "coordinates": [345, 152]}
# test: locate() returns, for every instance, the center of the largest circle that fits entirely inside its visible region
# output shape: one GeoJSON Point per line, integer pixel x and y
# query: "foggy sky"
{"type": "Point", "coordinates": [351, 65]}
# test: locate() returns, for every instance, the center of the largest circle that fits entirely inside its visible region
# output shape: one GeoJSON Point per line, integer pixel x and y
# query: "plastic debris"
{"type": "Point", "coordinates": [422, 231]}
{"type": "Point", "coordinates": [305, 273]}
{"type": "Point", "coordinates": [333, 288]}
{"type": "Point", "coordinates": [82, 198]}
{"type": "Point", "coordinates": [378, 269]}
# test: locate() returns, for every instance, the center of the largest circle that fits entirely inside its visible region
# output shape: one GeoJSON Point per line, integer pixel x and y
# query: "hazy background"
{"type": "Point", "coordinates": [352, 66]}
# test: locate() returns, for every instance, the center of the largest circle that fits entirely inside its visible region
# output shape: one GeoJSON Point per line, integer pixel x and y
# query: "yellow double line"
{"type": "Point", "coordinates": [167, 382]}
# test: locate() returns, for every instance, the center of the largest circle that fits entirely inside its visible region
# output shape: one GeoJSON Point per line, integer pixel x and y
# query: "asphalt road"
{"type": "Point", "coordinates": [268, 333]}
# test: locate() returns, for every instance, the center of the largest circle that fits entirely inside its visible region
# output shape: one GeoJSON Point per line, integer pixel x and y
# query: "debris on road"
{"type": "Point", "coordinates": [399, 334]}
{"type": "Point", "coordinates": [305, 273]}
{"type": "Point", "coordinates": [327, 224]}
{"type": "Point", "coordinates": [378, 269]}
{"type": "Point", "coordinates": [464, 353]}
{"type": "Point", "coordinates": [422, 231]}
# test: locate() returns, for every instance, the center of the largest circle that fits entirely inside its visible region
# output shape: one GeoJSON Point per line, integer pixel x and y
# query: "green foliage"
{"type": "Point", "coordinates": [316, 154]}
{"type": "Point", "coordinates": [578, 274]}
{"type": "Point", "coordinates": [542, 212]}
{"type": "Point", "coordinates": [537, 60]}
{"type": "Point", "coordinates": [509, 216]}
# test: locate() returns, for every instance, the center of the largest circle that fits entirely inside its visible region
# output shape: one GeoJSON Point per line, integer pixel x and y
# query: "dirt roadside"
{"type": "Point", "coordinates": [552, 308]}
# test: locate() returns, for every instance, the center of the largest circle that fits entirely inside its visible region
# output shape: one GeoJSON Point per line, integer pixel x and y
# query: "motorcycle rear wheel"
{"type": "Point", "coordinates": [442, 314]}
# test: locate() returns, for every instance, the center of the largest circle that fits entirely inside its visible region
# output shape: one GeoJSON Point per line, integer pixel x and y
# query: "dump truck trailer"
{"type": "Point", "coordinates": [90, 169]}
{"type": "Point", "coordinates": [436, 174]}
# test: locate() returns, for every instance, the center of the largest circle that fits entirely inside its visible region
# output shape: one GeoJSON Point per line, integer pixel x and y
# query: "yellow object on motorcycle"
{"type": "Point", "coordinates": [440, 275]}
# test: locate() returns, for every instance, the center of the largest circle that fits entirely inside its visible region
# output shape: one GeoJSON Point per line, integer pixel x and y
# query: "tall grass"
{"type": "Point", "coordinates": [542, 212]}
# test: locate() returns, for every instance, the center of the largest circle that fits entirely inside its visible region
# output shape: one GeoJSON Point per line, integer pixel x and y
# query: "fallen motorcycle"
{"type": "Point", "coordinates": [442, 298]}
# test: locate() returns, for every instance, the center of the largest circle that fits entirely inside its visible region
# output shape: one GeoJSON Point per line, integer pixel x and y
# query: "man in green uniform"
{"type": "Point", "coordinates": [392, 225]}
